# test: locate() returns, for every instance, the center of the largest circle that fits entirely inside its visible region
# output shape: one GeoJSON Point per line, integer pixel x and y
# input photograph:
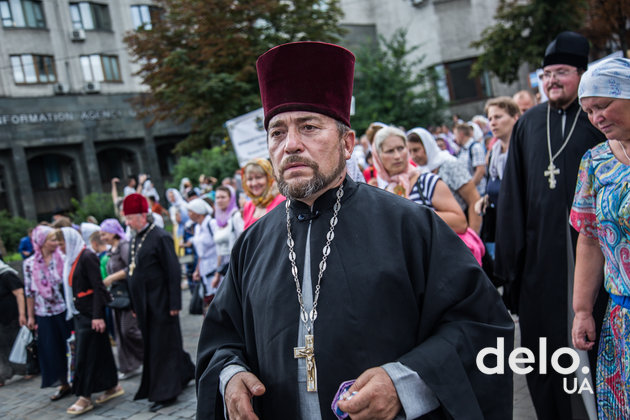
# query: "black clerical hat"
{"type": "Point", "coordinates": [568, 48]}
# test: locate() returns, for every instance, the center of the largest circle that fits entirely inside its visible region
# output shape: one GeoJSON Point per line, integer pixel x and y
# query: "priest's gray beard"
{"type": "Point", "coordinates": [304, 189]}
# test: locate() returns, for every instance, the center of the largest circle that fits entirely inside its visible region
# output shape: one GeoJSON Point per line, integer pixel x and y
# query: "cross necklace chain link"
{"type": "Point", "coordinates": [308, 319]}
{"type": "Point", "coordinates": [553, 170]}
{"type": "Point", "coordinates": [136, 249]}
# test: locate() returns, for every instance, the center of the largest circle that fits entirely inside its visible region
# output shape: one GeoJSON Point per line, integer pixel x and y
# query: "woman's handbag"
{"type": "Point", "coordinates": [196, 300]}
{"type": "Point", "coordinates": [120, 295]}
{"type": "Point", "coordinates": [32, 362]}
{"type": "Point", "coordinates": [18, 352]}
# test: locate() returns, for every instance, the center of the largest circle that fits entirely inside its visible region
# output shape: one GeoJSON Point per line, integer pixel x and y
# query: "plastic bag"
{"type": "Point", "coordinates": [196, 300]}
{"type": "Point", "coordinates": [18, 352]}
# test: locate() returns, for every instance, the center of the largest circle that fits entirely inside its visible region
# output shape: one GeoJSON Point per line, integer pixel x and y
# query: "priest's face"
{"type": "Point", "coordinates": [136, 221]}
{"type": "Point", "coordinates": [308, 152]}
{"type": "Point", "coordinates": [560, 83]}
{"type": "Point", "coordinates": [610, 116]}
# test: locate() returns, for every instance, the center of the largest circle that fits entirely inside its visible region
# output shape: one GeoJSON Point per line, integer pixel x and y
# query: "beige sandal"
{"type": "Point", "coordinates": [76, 408]}
{"type": "Point", "coordinates": [118, 391]}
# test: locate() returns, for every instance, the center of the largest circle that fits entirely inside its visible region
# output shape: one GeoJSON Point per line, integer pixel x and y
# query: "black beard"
{"type": "Point", "coordinates": [315, 184]}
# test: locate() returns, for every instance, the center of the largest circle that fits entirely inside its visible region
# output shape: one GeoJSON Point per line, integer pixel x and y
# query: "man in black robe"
{"type": "Point", "coordinates": [389, 295]}
{"type": "Point", "coordinates": [155, 291]}
{"type": "Point", "coordinates": [535, 247]}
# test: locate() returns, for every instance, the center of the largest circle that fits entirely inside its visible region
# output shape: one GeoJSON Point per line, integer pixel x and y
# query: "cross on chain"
{"type": "Point", "coordinates": [308, 352]}
{"type": "Point", "coordinates": [551, 172]}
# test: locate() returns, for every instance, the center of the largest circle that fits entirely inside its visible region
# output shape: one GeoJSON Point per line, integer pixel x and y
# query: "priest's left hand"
{"type": "Point", "coordinates": [98, 325]}
{"type": "Point", "coordinates": [174, 312]}
{"type": "Point", "coordinates": [375, 399]}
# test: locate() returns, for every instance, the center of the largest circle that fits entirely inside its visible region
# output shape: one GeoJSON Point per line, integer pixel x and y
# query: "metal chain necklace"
{"type": "Point", "coordinates": [136, 249]}
{"type": "Point", "coordinates": [552, 170]}
{"type": "Point", "coordinates": [308, 351]}
{"type": "Point", "coordinates": [623, 149]}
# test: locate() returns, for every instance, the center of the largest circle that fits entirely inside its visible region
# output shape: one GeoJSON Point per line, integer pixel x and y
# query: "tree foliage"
{"type": "Point", "coordinates": [12, 229]}
{"type": "Point", "coordinates": [99, 205]}
{"type": "Point", "coordinates": [607, 25]}
{"type": "Point", "coordinates": [198, 59]}
{"type": "Point", "coordinates": [522, 32]}
{"type": "Point", "coordinates": [389, 88]}
{"type": "Point", "coordinates": [219, 162]}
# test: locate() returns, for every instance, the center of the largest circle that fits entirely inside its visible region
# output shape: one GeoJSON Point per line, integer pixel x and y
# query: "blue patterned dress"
{"type": "Point", "coordinates": [601, 210]}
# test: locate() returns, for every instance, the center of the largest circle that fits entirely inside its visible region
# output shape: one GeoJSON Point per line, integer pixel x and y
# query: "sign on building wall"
{"type": "Point", "coordinates": [248, 136]}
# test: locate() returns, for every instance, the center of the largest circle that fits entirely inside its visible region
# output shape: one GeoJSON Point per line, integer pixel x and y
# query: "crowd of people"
{"type": "Point", "coordinates": [508, 184]}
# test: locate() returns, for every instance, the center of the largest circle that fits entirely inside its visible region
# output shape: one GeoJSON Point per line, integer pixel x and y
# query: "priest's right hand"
{"type": "Point", "coordinates": [239, 391]}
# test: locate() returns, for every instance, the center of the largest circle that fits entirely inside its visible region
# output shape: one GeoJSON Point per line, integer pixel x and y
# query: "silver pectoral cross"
{"type": "Point", "coordinates": [551, 172]}
{"type": "Point", "coordinates": [308, 352]}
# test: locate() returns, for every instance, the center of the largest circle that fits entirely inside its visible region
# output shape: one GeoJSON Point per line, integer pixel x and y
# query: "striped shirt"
{"type": "Point", "coordinates": [422, 191]}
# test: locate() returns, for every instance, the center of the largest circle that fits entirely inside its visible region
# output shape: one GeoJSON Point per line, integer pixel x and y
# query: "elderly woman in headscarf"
{"type": "Point", "coordinates": [396, 175]}
{"type": "Point", "coordinates": [128, 335]}
{"type": "Point", "coordinates": [46, 308]}
{"type": "Point", "coordinates": [260, 186]}
{"type": "Point", "coordinates": [430, 158]}
{"type": "Point", "coordinates": [200, 212]}
{"type": "Point", "coordinates": [95, 369]}
{"type": "Point", "coordinates": [226, 228]}
{"type": "Point", "coordinates": [601, 215]}
{"type": "Point", "coordinates": [12, 318]}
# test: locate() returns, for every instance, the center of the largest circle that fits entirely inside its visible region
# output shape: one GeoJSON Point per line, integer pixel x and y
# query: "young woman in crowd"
{"type": "Point", "coordinates": [226, 228]}
{"type": "Point", "coordinates": [95, 369]}
{"type": "Point", "coordinates": [260, 186]}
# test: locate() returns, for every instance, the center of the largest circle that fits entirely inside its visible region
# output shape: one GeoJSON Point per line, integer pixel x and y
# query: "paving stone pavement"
{"type": "Point", "coordinates": [22, 399]}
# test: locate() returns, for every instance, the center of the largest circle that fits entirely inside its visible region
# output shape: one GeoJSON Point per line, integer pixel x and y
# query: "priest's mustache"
{"type": "Point", "coordinates": [297, 159]}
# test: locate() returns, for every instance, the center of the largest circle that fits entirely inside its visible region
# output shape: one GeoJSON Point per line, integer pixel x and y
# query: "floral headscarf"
{"type": "Point", "coordinates": [398, 184]}
{"type": "Point", "coordinates": [43, 285]}
{"type": "Point", "coordinates": [268, 193]}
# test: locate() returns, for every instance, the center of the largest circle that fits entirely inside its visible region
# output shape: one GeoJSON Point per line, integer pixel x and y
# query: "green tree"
{"type": "Point", "coordinates": [388, 87]}
{"type": "Point", "coordinates": [99, 205]}
{"type": "Point", "coordinates": [607, 26]}
{"type": "Point", "coordinates": [219, 162]}
{"type": "Point", "coordinates": [12, 229]}
{"type": "Point", "coordinates": [522, 32]}
{"type": "Point", "coordinates": [198, 59]}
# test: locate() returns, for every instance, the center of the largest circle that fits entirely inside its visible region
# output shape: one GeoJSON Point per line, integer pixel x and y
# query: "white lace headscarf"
{"type": "Point", "coordinates": [74, 245]}
{"type": "Point", "coordinates": [436, 157]}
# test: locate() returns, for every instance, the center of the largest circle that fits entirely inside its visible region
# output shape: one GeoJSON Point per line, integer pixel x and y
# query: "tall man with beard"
{"type": "Point", "coordinates": [344, 282]}
{"type": "Point", "coordinates": [535, 247]}
{"type": "Point", "coordinates": [156, 299]}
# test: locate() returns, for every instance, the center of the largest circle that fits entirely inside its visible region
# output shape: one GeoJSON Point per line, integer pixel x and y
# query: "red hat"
{"type": "Point", "coordinates": [306, 76]}
{"type": "Point", "coordinates": [134, 204]}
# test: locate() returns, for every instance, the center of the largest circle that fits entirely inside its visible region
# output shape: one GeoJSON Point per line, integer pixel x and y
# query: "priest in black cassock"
{"type": "Point", "coordinates": [156, 298]}
{"type": "Point", "coordinates": [535, 246]}
{"type": "Point", "coordinates": [345, 282]}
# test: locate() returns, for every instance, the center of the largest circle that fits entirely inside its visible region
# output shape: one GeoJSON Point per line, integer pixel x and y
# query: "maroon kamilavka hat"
{"type": "Point", "coordinates": [135, 203]}
{"type": "Point", "coordinates": [306, 76]}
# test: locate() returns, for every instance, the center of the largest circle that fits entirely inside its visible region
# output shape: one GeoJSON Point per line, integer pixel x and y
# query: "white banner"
{"type": "Point", "coordinates": [248, 136]}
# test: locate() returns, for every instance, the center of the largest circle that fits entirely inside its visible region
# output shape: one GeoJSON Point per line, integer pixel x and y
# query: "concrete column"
{"type": "Point", "coordinates": [152, 166]}
{"type": "Point", "coordinates": [25, 189]}
{"type": "Point", "coordinates": [10, 188]}
{"type": "Point", "coordinates": [90, 160]}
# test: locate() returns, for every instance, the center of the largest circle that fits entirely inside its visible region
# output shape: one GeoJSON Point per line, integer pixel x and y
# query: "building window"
{"type": "Point", "coordinates": [461, 87]}
{"type": "Point", "coordinates": [87, 15]}
{"type": "Point", "coordinates": [100, 68]}
{"type": "Point", "coordinates": [22, 14]}
{"type": "Point", "coordinates": [143, 16]}
{"type": "Point", "coordinates": [28, 68]}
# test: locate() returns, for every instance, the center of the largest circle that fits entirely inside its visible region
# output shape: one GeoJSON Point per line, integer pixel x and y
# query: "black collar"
{"type": "Point", "coordinates": [302, 212]}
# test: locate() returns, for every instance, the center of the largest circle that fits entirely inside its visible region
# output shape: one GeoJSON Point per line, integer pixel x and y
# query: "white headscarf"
{"type": "Point", "coordinates": [74, 245]}
{"type": "Point", "coordinates": [436, 157]}
{"type": "Point", "coordinates": [87, 229]}
{"type": "Point", "coordinates": [199, 206]}
{"type": "Point", "coordinates": [607, 79]}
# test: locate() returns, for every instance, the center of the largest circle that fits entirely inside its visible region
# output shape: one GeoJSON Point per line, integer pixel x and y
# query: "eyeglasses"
{"type": "Point", "coordinates": [560, 74]}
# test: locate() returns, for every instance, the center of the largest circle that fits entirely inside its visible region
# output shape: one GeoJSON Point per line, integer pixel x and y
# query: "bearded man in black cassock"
{"type": "Point", "coordinates": [535, 247]}
{"type": "Point", "coordinates": [156, 299]}
{"type": "Point", "coordinates": [356, 283]}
